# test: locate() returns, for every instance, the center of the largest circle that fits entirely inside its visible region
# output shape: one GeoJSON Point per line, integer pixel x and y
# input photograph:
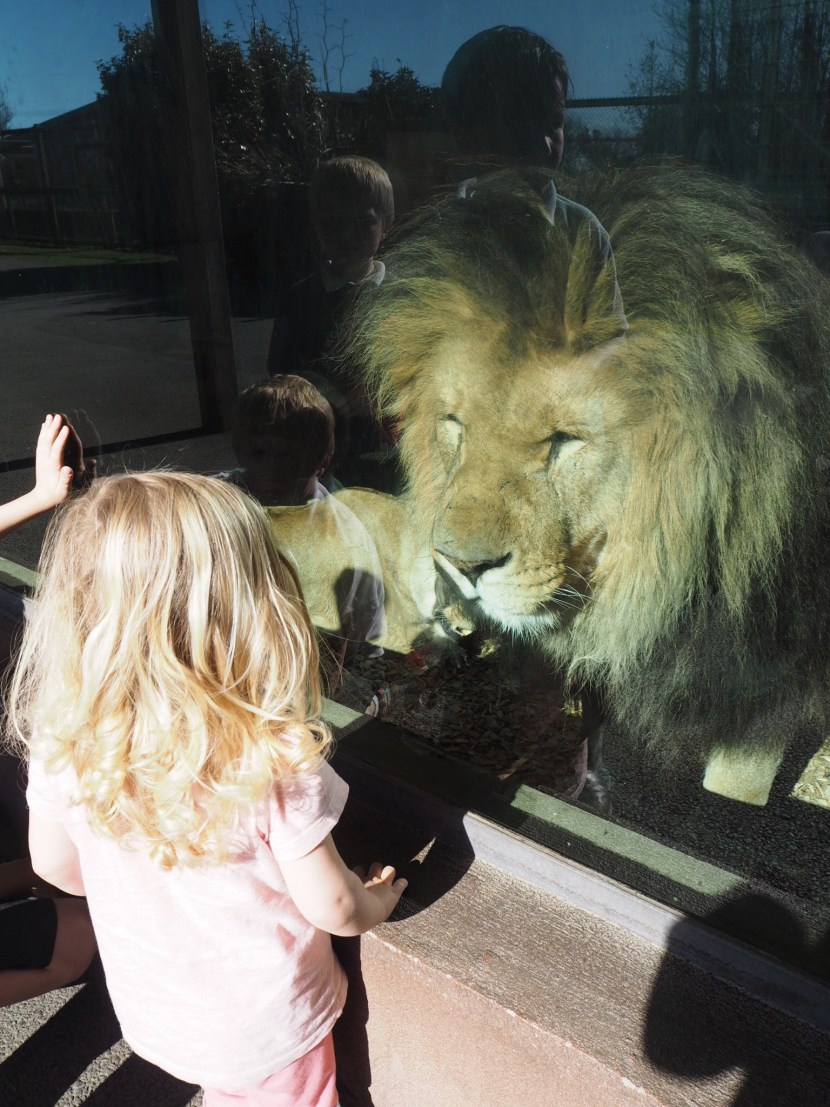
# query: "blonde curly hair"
{"type": "Point", "coordinates": [169, 663]}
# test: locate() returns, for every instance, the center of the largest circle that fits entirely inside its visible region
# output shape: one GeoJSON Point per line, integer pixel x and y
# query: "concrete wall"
{"type": "Point", "coordinates": [487, 991]}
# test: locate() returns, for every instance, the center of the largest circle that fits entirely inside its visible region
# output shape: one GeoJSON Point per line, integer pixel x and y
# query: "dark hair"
{"type": "Point", "coordinates": [284, 402]}
{"type": "Point", "coordinates": [495, 76]}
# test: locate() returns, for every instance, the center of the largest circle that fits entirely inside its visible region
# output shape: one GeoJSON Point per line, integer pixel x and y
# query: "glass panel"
{"type": "Point", "coordinates": [555, 482]}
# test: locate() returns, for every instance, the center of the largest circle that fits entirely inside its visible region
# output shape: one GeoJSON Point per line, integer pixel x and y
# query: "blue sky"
{"type": "Point", "coordinates": [49, 48]}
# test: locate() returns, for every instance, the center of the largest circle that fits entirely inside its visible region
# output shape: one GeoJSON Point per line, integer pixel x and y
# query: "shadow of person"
{"type": "Point", "coordinates": [137, 1081]}
{"type": "Point", "coordinates": [351, 1042]}
{"type": "Point", "coordinates": [427, 842]}
{"type": "Point", "coordinates": [702, 1029]}
{"type": "Point", "coordinates": [49, 1062]}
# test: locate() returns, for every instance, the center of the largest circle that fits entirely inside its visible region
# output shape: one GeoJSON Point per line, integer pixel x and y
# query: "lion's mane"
{"type": "Point", "coordinates": [707, 616]}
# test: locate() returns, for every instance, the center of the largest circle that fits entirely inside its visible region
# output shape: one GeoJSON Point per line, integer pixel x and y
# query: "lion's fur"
{"type": "Point", "coordinates": [694, 500]}
{"type": "Point", "coordinates": [381, 545]}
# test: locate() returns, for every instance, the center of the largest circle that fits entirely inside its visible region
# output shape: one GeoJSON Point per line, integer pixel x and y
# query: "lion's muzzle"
{"type": "Point", "coordinates": [470, 570]}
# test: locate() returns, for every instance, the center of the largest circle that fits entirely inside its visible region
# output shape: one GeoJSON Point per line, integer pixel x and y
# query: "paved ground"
{"type": "Point", "coordinates": [66, 1049]}
{"type": "Point", "coordinates": [117, 358]}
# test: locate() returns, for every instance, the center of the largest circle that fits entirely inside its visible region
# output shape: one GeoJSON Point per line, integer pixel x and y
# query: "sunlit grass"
{"type": "Point", "coordinates": [79, 255]}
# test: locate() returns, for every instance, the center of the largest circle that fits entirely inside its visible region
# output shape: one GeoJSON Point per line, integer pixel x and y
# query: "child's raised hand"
{"type": "Point", "coordinates": [381, 882]}
{"type": "Point", "coordinates": [56, 445]}
{"type": "Point", "coordinates": [59, 458]}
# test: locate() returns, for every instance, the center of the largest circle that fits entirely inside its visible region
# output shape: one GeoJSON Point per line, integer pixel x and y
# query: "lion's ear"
{"type": "Point", "coordinates": [594, 310]}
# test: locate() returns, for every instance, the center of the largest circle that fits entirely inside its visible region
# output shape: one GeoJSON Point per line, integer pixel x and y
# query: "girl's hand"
{"type": "Point", "coordinates": [53, 477]}
{"type": "Point", "coordinates": [382, 884]}
{"type": "Point", "coordinates": [337, 899]}
{"type": "Point", "coordinates": [59, 459]}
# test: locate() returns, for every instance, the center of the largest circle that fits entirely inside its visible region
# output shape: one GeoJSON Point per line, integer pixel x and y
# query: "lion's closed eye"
{"type": "Point", "coordinates": [449, 433]}
{"type": "Point", "coordinates": [562, 445]}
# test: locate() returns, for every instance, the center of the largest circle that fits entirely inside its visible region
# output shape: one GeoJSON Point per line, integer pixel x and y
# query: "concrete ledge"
{"type": "Point", "coordinates": [486, 990]}
{"type": "Point", "coordinates": [435, 1042]}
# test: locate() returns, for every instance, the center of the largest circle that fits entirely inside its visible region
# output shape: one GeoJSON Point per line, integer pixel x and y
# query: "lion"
{"type": "Point", "coordinates": [375, 542]}
{"type": "Point", "coordinates": [642, 491]}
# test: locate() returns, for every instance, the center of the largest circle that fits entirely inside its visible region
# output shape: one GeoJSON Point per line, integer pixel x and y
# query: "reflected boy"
{"type": "Point", "coordinates": [504, 93]}
{"type": "Point", "coordinates": [283, 438]}
{"type": "Point", "coordinates": [351, 207]}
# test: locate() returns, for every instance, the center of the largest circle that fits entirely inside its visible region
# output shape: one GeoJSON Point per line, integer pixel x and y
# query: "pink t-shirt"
{"type": "Point", "coordinates": [214, 974]}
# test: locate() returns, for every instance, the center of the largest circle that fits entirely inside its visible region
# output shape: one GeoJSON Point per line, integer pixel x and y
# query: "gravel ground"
{"type": "Point", "coordinates": [500, 709]}
{"type": "Point", "coordinates": [505, 712]}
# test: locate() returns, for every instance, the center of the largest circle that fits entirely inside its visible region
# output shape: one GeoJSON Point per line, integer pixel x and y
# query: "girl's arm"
{"type": "Point", "coordinates": [54, 857]}
{"type": "Point", "coordinates": [53, 478]}
{"type": "Point", "coordinates": [337, 900]}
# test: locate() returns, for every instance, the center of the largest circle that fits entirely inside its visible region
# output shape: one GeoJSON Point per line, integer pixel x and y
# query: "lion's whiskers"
{"type": "Point", "coordinates": [565, 595]}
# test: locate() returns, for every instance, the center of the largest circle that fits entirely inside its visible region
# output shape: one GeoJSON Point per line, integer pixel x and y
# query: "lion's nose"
{"type": "Point", "coordinates": [472, 570]}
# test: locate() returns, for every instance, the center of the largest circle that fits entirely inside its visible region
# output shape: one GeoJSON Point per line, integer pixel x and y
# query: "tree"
{"type": "Point", "coordinates": [134, 100]}
{"type": "Point", "coordinates": [655, 79]}
{"type": "Point", "coordinates": [332, 53]}
{"type": "Point", "coordinates": [5, 109]}
{"type": "Point", "coordinates": [268, 118]}
{"type": "Point", "coordinates": [750, 84]}
{"type": "Point", "coordinates": [393, 99]}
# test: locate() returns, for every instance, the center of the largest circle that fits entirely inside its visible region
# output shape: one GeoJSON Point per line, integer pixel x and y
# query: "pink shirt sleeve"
{"type": "Point", "coordinates": [45, 794]}
{"type": "Point", "coordinates": [303, 811]}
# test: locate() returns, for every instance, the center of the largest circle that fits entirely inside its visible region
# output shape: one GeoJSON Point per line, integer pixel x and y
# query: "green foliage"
{"type": "Point", "coordinates": [400, 95]}
{"type": "Point", "coordinates": [134, 101]}
{"type": "Point", "coordinates": [393, 99]}
{"type": "Point", "coordinates": [268, 118]}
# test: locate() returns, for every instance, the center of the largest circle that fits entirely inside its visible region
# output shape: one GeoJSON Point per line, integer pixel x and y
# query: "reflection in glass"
{"type": "Point", "coordinates": [644, 504]}
{"type": "Point", "coordinates": [586, 507]}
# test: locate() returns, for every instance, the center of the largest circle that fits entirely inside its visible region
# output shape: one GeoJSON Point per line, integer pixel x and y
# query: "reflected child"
{"type": "Point", "coordinates": [504, 93]}
{"type": "Point", "coordinates": [283, 437]}
{"type": "Point", "coordinates": [282, 433]}
{"type": "Point", "coordinates": [351, 209]}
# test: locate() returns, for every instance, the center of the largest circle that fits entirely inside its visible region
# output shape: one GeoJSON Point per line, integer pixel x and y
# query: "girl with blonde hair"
{"type": "Point", "coordinates": [168, 693]}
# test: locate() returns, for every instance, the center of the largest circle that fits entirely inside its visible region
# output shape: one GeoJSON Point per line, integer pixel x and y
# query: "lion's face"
{"type": "Point", "coordinates": [516, 475]}
{"type": "Point", "coordinates": [594, 489]}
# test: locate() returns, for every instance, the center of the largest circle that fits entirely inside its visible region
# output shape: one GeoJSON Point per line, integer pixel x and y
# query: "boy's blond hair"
{"type": "Point", "coordinates": [284, 403]}
{"type": "Point", "coordinates": [168, 662]}
{"type": "Point", "coordinates": [354, 178]}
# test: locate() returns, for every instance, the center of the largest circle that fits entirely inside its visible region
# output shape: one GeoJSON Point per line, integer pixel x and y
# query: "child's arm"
{"type": "Point", "coordinates": [72, 954]}
{"type": "Point", "coordinates": [54, 857]}
{"type": "Point", "coordinates": [53, 478]}
{"type": "Point", "coordinates": [337, 900]}
{"type": "Point", "coordinates": [18, 880]}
